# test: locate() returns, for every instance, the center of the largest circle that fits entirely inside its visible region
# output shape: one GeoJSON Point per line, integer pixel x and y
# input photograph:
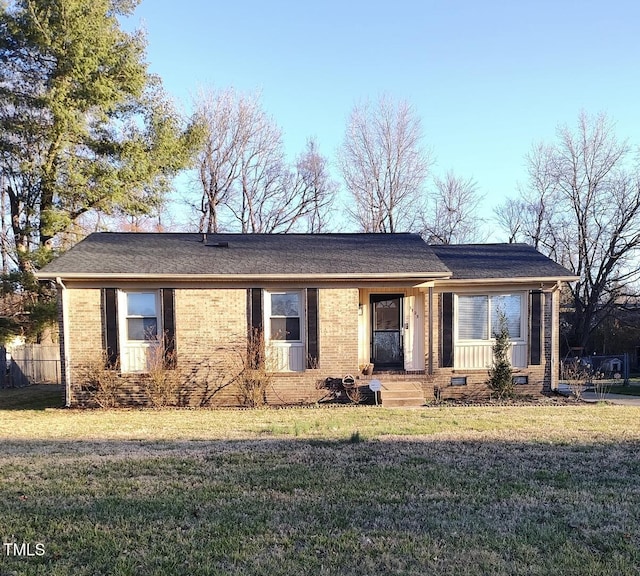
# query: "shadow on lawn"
{"type": "Point", "coordinates": [34, 397]}
{"type": "Point", "coordinates": [283, 506]}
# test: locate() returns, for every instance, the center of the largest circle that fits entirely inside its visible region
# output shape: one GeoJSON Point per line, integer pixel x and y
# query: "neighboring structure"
{"type": "Point", "coordinates": [326, 305]}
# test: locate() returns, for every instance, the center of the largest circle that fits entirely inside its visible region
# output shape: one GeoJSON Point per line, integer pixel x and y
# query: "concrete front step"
{"type": "Point", "coordinates": [401, 394]}
{"type": "Point", "coordinates": [402, 387]}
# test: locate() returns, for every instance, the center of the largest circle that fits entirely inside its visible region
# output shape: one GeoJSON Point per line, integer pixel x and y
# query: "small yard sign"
{"type": "Point", "coordinates": [375, 386]}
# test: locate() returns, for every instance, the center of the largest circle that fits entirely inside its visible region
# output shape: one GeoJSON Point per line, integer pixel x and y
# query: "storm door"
{"type": "Point", "coordinates": [386, 330]}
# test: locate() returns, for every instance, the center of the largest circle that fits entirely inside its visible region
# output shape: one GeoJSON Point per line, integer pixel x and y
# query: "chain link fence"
{"type": "Point", "coordinates": [30, 364]}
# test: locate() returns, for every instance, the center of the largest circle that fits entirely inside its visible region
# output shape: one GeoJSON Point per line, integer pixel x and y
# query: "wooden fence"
{"type": "Point", "coordinates": [30, 364]}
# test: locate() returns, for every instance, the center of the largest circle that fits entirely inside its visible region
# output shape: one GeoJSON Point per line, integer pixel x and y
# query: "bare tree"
{"type": "Point", "coordinates": [262, 173]}
{"type": "Point", "coordinates": [582, 207]}
{"type": "Point", "coordinates": [244, 180]}
{"type": "Point", "coordinates": [530, 216]}
{"type": "Point", "coordinates": [509, 217]}
{"type": "Point", "coordinates": [452, 217]}
{"type": "Point", "coordinates": [227, 117]}
{"type": "Point", "coordinates": [316, 186]}
{"type": "Point", "coordinates": [384, 165]}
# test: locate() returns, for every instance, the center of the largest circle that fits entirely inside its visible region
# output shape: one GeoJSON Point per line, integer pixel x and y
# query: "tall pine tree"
{"type": "Point", "coordinates": [84, 127]}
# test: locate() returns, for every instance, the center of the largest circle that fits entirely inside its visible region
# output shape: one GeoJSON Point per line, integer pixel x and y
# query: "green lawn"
{"type": "Point", "coordinates": [451, 490]}
{"type": "Point", "coordinates": [620, 389]}
{"type": "Point", "coordinates": [36, 397]}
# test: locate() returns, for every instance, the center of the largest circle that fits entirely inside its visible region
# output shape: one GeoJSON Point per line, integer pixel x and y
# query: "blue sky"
{"type": "Point", "coordinates": [487, 77]}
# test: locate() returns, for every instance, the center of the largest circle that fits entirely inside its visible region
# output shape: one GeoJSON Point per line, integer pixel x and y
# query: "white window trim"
{"type": "Point", "coordinates": [477, 354]}
{"type": "Point", "coordinates": [285, 355]}
{"type": "Point", "coordinates": [128, 348]}
{"type": "Point", "coordinates": [523, 315]}
{"type": "Point", "coordinates": [267, 317]}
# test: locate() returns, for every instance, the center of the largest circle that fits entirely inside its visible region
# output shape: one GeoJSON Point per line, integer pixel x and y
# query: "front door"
{"type": "Point", "coordinates": [386, 331]}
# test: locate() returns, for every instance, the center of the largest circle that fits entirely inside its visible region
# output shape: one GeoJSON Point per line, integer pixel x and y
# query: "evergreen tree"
{"type": "Point", "coordinates": [500, 374]}
{"type": "Point", "coordinates": [83, 125]}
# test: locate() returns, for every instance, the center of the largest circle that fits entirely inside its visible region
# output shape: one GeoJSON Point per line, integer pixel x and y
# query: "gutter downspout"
{"type": "Point", "coordinates": [430, 295]}
{"type": "Point", "coordinates": [555, 335]}
{"type": "Point", "coordinates": [64, 339]}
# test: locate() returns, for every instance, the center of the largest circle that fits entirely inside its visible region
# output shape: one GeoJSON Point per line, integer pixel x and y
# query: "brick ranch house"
{"type": "Point", "coordinates": [326, 305]}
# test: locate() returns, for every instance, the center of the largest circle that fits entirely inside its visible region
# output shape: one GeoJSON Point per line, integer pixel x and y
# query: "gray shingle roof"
{"type": "Point", "coordinates": [109, 253]}
{"type": "Point", "coordinates": [477, 261]}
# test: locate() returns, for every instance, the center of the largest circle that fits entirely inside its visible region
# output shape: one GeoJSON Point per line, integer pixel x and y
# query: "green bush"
{"type": "Point", "coordinates": [500, 374]}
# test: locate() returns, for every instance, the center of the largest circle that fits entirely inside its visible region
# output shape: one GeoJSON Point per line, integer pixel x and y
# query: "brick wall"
{"type": "Point", "coordinates": [85, 319]}
{"type": "Point", "coordinates": [338, 342]}
{"type": "Point", "coordinates": [206, 319]}
{"type": "Point", "coordinates": [338, 337]}
{"type": "Point", "coordinates": [551, 329]}
{"type": "Point", "coordinates": [211, 333]}
{"type": "Point", "coordinates": [339, 330]}
{"type": "Point", "coordinates": [211, 330]}
{"type": "Point", "coordinates": [85, 343]}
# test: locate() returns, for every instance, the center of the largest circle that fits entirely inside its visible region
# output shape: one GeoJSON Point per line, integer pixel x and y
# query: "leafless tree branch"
{"type": "Point", "coordinates": [244, 180]}
{"type": "Point", "coordinates": [452, 217]}
{"type": "Point", "coordinates": [582, 207]}
{"type": "Point", "coordinates": [384, 165]}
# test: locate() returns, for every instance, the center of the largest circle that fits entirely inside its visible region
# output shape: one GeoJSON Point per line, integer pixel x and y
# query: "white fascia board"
{"type": "Point", "coordinates": [413, 277]}
{"type": "Point", "coordinates": [544, 282]}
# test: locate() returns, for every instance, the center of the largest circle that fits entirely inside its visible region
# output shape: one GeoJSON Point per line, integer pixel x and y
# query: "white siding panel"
{"type": "Point", "coordinates": [134, 358]}
{"type": "Point", "coordinates": [286, 357]}
{"type": "Point", "coordinates": [480, 355]}
{"type": "Point", "coordinates": [414, 335]}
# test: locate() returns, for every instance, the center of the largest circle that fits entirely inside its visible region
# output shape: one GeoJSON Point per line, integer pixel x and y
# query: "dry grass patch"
{"type": "Point", "coordinates": [501, 490]}
{"type": "Point", "coordinates": [576, 423]}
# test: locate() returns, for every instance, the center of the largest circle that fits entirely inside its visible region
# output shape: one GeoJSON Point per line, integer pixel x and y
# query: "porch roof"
{"type": "Point", "coordinates": [246, 256]}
